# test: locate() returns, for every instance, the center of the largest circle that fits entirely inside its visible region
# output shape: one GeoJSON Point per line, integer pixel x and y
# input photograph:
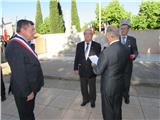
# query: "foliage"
{"type": "Point", "coordinates": [112, 13]}
{"type": "Point", "coordinates": [39, 18]}
{"type": "Point", "coordinates": [61, 21]}
{"type": "Point", "coordinates": [45, 27]}
{"type": "Point", "coordinates": [74, 16]}
{"type": "Point", "coordinates": [85, 26]}
{"type": "Point", "coordinates": [56, 17]}
{"type": "Point", "coordinates": [148, 17]}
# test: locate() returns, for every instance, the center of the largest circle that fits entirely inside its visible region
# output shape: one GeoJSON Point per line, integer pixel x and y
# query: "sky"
{"type": "Point", "coordinates": [19, 9]}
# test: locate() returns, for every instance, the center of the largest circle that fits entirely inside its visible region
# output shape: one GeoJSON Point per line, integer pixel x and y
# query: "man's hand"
{"type": "Point", "coordinates": [132, 57]}
{"type": "Point", "coordinates": [93, 64]}
{"type": "Point", "coordinates": [30, 96]}
{"type": "Point", "coordinates": [76, 72]}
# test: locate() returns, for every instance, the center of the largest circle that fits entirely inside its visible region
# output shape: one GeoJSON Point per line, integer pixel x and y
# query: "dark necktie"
{"type": "Point", "coordinates": [87, 47]}
{"type": "Point", "coordinates": [86, 50]}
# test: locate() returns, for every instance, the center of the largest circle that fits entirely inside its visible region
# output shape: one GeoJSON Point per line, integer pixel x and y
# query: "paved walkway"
{"type": "Point", "coordinates": [144, 72]}
{"type": "Point", "coordinates": [60, 100]}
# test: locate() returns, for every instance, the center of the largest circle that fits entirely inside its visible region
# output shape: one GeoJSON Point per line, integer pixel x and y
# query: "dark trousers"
{"type": "Point", "coordinates": [88, 89]}
{"type": "Point", "coordinates": [127, 76]}
{"type": "Point", "coordinates": [25, 108]}
{"type": "Point", "coordinates": [111, 107]}
{"type": "Point", "coordinates": [3, 93]}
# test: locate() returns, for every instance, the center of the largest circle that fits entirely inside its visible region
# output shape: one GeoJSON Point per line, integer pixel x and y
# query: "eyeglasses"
{"type": "Point", "coordinates": [124, 28]}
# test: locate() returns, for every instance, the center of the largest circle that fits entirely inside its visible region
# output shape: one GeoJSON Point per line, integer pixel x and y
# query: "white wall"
{"type": "Point", "coordinates": [54, 43]}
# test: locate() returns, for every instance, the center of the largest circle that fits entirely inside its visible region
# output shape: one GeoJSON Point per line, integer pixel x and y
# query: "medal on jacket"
{"type": "Point", "coordinates": [24, 44]}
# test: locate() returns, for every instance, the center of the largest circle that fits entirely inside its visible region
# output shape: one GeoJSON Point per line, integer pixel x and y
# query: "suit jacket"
{"type": "Point", "coordinates": [80, 62]}
{"type": "Point", "coordinates": [111, 66]}
{"type": "Point", "coordinates": [131, 45]}
{"type": "Point", "coordinates": [26, 72]}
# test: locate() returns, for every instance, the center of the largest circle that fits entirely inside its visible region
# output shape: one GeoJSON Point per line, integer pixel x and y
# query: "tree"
{"type": "Point", "coordinates": [151, 11]}
{"type": "Point", "coordinates": [39, 18]}
{"type": "Point", "coordinates": [148, 16]}
{"type": "Point", "coordinates": [56, 17]}
{"type": "Point", "coordinates": [74, 16]}
{"type": "Point", "coordinates": [85, 26]}
{"type": "Point", "coordinates": [61, 20]}
{"type": "Point", "coordinates": [138, 22]}
{"type": "Point", "coordinates": [112, 13]}
{"type": "Point", "coordinates": [45, 27]}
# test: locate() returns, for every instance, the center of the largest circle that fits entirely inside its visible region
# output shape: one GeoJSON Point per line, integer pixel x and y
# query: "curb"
{"type": "Point", "coordinates": [133, 83]}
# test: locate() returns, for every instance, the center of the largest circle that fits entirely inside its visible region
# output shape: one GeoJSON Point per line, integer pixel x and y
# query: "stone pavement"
{"type": "Point", "coordinates": [144, 72]}
{"type": "Point", "coordinates": [60, 100]}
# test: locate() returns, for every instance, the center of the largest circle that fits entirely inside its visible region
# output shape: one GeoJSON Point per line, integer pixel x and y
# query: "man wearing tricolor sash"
{"type": "Point", "coordinates": [26, 73]}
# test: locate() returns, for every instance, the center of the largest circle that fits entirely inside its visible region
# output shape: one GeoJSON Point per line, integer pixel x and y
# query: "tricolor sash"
{"type": "Point", "coordinates": [24, 44]}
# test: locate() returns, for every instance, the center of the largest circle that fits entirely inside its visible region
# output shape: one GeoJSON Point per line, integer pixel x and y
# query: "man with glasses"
{"type": "Point", "coordinates": [130, 43]}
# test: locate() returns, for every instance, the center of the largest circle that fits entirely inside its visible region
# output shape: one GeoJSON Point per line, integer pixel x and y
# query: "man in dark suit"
{"type": "Point", "coordinates": [82, 67]}
{"type": "Point", "coordinates": [111, 66]}
{"type": "Point", "coordinates": [3, 93]}
{"type": "Point", "coordinates": [26, 73]}
{"type": "Point", "coordinates": [130, 43]}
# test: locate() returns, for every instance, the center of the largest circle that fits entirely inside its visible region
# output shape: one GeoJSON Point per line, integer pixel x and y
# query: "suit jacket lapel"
{"type": "Point", "coordinates": [91, 52]}
{"type": "Point", "coordinates": [82, 49]}
{"type": "Point", "coordinates": [128, 41]}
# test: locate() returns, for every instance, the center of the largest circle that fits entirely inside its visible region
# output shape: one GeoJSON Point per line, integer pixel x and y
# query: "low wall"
{"type": "Point", "coordinates": [148, 41]}
{"type": "Point", "coordinates": [51, 44]}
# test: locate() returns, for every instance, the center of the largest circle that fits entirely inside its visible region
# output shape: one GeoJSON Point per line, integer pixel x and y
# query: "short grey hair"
{"type": "Point", "coordinates": [88, 29]}
{"type": "Point", "coordinates": [112, 30]}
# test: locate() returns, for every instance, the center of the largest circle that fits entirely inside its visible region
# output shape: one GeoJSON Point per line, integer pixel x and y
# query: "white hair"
{"type": "Point", "coordinates": [88, 29]}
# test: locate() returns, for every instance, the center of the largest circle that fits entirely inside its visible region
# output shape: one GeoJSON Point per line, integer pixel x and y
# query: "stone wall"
{"type": "Point", "coordinates": [148, 41]}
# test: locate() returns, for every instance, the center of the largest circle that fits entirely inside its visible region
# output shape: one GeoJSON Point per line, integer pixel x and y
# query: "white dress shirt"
{"type": "Point", "coordinates": [88, 50]}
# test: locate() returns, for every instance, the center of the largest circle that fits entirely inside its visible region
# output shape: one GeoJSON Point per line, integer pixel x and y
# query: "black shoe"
{"type": "Point", "coordinates": [126, 100]}
{"type": "Point", "coordinates": [3, 98]}
{"type": "Point", "coordinates": [84, 103]}
{"type": "Point", "coordinates": [93, 105]}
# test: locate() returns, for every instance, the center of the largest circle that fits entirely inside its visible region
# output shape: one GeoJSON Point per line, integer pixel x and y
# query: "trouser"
{"type": "Point", "coordinates": [25, 108]}
{"type": "Point", "coordinates": [127, 78]}
{"type": "Point", "coordinates": [88, 89]}
{"type": "Point", "coordinates": [111, 107]}
{"type": "Point", "coordinates": [3, 93]}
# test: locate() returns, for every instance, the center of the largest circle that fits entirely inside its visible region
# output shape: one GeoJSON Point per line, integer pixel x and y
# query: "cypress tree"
{"type": "Point", "coordinates": [61, 20]}
{"type": "Point", "coordinates": [56, 17]}
{"type": "Point", "coordinates": [74, 16]}
{"type": "Point", "coordinates": [39, 18]}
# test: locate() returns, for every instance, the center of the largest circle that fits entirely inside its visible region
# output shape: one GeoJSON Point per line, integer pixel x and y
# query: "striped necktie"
{"type": "Point", "coordinates": [123, 40]}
